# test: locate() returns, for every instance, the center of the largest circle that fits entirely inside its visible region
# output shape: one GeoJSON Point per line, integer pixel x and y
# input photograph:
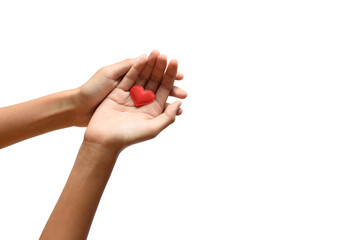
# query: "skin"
{"type": "Point", "coordinates": [115, 125]}
{"type": "Point", "coordinates": [73, 107]}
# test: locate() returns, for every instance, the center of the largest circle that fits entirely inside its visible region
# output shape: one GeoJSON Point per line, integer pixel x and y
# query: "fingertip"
{"type": "Point", "coordinates": [179, 112]}
{"type": "Point", "coordinates": [129, 61]}
{"type": "Point", "coordinates": [179, 76]}
{"type": "Point", "coordinates": [174, 62]}
{"type": "Point", "coordinates": [162, 57]}
{"type": "Point", "coordinates": [178, 93]}
{"type": "Point", "coordinates": [178, 103]}
{"type": "Point", "coordinates": [155, 52]}
{"type": "Point", "coordinates": [173, 107]}
{"type": "Point", "coordinates": [143, 59]}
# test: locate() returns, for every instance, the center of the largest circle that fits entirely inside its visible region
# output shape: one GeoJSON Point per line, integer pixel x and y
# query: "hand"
{"type": "Point", "coordinates": [95, 90]}
{"type": "Point", "coordinates": [118, 123]}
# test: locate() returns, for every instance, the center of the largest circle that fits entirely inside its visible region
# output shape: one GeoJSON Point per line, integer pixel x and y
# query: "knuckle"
{"type": "Point", "coordinates": [167, 87]}
{"type": "Point", "coordinates": [131, 78]}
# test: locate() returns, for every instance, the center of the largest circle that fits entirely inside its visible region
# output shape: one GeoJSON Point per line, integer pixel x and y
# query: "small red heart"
{"type": "Point", "coordinates": [140, 96]}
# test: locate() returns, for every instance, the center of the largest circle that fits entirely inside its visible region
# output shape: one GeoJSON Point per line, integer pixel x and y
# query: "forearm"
{"type": "Point", "coordinates": [76, 207]}
{"type": "Point", "coordinates": [35, 117]}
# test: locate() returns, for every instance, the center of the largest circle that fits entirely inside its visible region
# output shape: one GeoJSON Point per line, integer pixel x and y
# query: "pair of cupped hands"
{"type": "Point", "coordinates": [106, 107]}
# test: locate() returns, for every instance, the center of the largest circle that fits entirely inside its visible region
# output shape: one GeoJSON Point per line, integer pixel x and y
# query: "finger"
{"type": "Point", "coordinates": [179, 76]}
{"type": "Point", "coordinates": [167, 82]}
{"type": "Point", "coordinates": [131, 76]}
{"type": "Point", "coordinates": [178, 92]}
{"type": "Point", "coordinates": [147, 70]}
{"type": "Point", "coordinates": [116, 70]}
{"type": "Point", "coordinates": [179, 112]}
{"type": "Point", "coordinates": [166, 118]}
{"type": "Point", "coordinates": [157, 73]}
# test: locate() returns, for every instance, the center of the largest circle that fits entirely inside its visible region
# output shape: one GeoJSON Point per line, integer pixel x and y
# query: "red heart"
{"type": "Point", "coordinates": [140, 96]}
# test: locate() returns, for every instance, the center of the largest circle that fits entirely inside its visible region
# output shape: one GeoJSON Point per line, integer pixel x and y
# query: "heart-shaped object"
{"type": "Point", "coordinates": [140, 96]}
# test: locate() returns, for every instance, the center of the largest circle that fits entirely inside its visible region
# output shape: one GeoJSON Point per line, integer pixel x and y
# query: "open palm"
{"type": "Point", "coordinates": [95, 90]}
{"type": "Point", "coordinates": [119, 123]}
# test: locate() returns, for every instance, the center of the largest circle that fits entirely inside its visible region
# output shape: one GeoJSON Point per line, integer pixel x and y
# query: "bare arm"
{"type": "Point", "coordinates": [68, 108]}
{"type": "Point", "coordinates": [32, 118]}
{"type": "Point", "coordinates": [60, 110]}
{"type": "Point", "coordinates": [115, 125]}
{"type": "Point", "coordinates": [74, 212]}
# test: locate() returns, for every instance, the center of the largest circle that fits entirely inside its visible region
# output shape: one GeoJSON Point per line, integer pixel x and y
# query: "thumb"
{"type": "Point", "coordinates": [166, 118]}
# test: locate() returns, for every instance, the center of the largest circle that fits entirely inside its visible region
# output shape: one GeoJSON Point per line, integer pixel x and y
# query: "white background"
{"type": "Point", "coordinates": [267, 146]}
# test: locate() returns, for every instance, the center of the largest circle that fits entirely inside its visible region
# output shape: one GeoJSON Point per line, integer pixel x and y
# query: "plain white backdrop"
{"type": "Point", "coordinates": [266, 148]}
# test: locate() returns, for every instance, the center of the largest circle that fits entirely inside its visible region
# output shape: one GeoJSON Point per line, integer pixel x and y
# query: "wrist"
{"type": "Point", "coordinates": [97, 135]}
{"type": "Point", "coordinates": [103, 153]}
{"type": "Point", "coordinates": [59, 109]}
{"type": "Point", "coordinates": [82, 111]}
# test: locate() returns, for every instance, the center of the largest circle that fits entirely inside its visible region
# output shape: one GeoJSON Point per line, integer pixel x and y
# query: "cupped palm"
{"type": "Point", "coordinates": [119, 123]}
